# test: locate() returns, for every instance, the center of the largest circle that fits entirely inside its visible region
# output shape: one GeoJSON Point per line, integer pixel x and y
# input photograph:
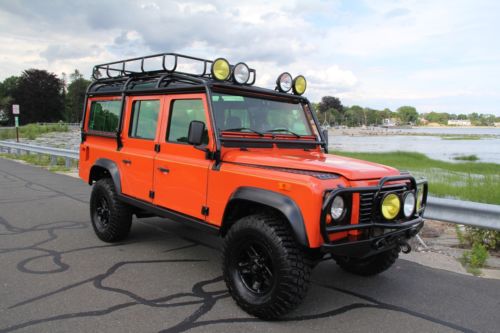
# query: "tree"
{"type": "Point", "coordinates": [75, 97]}
{"type": "Point", "coordinates": [407, 114]}
{"type": "Point", "coordinates": [7, 88]}
{"type": "Point", "coordinates": [330, 109]}
{"type": "Point", "coordinates": [39, 95]}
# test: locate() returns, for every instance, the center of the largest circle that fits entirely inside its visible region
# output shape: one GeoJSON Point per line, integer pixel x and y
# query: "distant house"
{"type": "Point", "coordinates": [497, 124]}
{"type": "Point", "coordinates": [459, 123]}
{"type": "Point", "coordinates": [389, 122]}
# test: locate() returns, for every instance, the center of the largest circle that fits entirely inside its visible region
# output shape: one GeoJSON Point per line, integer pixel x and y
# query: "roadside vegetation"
{"type": "Point", "coordinates": [32, 131]}
{"type": "Point", "coordinates": [466, 158]}
{"type": "Point", "coordinates": [472, 181]}
{"type": "Point", "coordinates": [41, 160]}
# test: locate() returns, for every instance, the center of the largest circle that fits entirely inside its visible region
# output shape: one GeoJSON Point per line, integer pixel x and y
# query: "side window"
{"type": "Point", "coordinates": [104, 115]}
{"type": "Point", "coordinates": [144, 119]}
{"type": "Point", "coordinates": [182, 113]}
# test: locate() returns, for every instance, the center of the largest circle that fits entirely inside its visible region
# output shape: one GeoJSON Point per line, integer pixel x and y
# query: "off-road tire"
{"type": "Point", "coordinates": [369, 266]}
{"type": "Point", "coordinates": [116, 226]}
{"type": "Point", "coordinates": [289, 265]}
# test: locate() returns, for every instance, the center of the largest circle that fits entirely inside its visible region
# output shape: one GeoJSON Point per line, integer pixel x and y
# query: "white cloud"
{"type": "Point", "coordinates": [383, 52]}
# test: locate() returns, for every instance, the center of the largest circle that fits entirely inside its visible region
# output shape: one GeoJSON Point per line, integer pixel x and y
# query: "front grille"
{"type": "Point", "coordinates": [366, 201]}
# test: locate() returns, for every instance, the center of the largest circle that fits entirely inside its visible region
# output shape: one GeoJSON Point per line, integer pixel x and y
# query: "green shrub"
{"type": "Point", "coordinates": [474, 259]}
{"type": "Point", "coordinates": [490, 239]}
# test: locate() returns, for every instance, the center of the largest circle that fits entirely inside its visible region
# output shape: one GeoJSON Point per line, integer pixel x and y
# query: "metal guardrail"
{"type": "Point", "coordinates": [440, 209]}
{"type": "Point", "coordinates": [18, 148]}
{"type": "Point", "coordinates": [463, 212]}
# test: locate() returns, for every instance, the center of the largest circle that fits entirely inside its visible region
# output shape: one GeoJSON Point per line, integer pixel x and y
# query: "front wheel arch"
{"type": "Point", "coordinates": [249, 200]}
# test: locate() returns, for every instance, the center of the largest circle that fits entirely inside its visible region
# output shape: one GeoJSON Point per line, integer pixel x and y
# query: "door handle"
{"type": "Point", "coordinates": [127, 161]}
{"type": "Point", "coordinates": [163, 170]}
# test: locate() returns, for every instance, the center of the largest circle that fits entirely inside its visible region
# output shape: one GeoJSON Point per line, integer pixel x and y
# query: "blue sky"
{"type": "Point", "coordinates": [434, 55]}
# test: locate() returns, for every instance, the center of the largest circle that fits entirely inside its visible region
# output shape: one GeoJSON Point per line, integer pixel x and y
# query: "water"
{"type": "Point", "coordinates": [487, 149]}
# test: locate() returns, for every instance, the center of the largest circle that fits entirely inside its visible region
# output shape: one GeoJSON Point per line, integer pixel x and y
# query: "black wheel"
{"type": "Point", "coordinates": [369, 266]}
{"type": "Point", "coordinates": [264, 269]}
{"type": "Point", "coordinates": [110, 217]}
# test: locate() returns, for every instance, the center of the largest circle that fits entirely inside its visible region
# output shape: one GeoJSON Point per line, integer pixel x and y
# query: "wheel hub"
{"type": "Point", "coordinates": [255, 268]}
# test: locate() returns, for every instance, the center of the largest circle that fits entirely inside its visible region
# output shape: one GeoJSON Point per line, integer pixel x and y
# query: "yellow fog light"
{"type": "Point", "coordinates": [299, 85]}
{"type": "Point", "coordinates": [390, 206]}
{"type": "Point", "coordinates": [221, 69]}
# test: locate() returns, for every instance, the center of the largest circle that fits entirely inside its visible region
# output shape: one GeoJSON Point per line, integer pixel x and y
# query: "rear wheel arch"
{"type": "Point", "coordinates": [104, 168]}
{"type": "Point", "coordinates": [249, 200]}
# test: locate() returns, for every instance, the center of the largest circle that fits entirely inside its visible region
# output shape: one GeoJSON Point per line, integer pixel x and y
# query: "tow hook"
{"type": "Point", "coordinates": [404, 246]}
{"type": "Point", "coordinates": [380, 243]}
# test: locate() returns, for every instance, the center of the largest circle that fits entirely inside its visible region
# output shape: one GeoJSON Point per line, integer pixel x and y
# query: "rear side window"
{"type": "Point", "coordinates": [182, 113]}
{"type": "Point", "coordinates": [144, 119]}
{"type": "Point", "coordinates": [105, 115]}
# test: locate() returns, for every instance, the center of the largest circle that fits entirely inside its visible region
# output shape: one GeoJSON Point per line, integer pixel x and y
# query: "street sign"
{"type": "Point", "coordinates": [16, 119]}
{"type": "Point", "coordinates": [15, 108]}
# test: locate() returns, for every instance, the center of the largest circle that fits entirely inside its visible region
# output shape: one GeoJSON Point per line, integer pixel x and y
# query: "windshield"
{"type": "Point", "coordinates": [260, 116]}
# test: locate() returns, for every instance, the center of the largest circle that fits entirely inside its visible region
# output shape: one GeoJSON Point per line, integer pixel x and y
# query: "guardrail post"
{"type": "Point", "coordinates": [67, 162]}
{"type": "Point", "coordinates": [53, 160]}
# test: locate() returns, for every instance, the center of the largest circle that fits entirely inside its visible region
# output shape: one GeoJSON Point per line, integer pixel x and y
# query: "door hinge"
{"type": "Point", "coordinates": [157, 147]}
{"type": "Point", "coordinates": [205, 210]}
{"type": "Point", "coordinates": [152, 194]}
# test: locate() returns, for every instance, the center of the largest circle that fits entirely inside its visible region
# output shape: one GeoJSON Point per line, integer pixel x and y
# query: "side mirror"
{"type": "Point", "coordinates": [325, 136]}
{"type": "Point", "coordinates": [196, 131]}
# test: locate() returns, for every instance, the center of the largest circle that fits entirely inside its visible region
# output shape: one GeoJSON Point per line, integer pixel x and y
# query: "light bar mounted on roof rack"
{"type": "Point", "coordinates": [123, 68]}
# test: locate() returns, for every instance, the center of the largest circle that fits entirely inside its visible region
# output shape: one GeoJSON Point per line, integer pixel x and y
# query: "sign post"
{"type": "Point", "coordinates": [15, 112]}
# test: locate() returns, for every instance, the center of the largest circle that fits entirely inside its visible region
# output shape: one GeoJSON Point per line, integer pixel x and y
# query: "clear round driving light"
{"type": "Point", "coordinates": [241, 73]}
{"type": "Point", "coordinates": [284, 82]}
{"type": "Point", "coordinates": [221, 69]}
{"type": "Point", "coordinates": [299, 85]}
{"type": "Point", "coordinates": [409, 204]}
{"type": "Point", "coordinates": [337, 209]}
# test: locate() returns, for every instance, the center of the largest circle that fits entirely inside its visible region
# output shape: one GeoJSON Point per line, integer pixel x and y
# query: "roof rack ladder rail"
{"type": "Point", "coordinates": [119, 143]}
{"type": "Point", "coordinates": [82, 126]}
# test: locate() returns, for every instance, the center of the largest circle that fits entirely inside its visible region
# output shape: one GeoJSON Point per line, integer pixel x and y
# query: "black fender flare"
{"type": "Point", "coordinates": [113, 170]}
{"type": "Point", "coordinates": [278, 201]}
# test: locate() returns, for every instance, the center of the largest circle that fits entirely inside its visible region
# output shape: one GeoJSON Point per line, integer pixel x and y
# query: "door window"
{"type": "Point", "coordinates": [183, 112]}
{"type": "Point", "coordinates": [144, 119]}
{"type": "Point", "coordinates": [104, 115]}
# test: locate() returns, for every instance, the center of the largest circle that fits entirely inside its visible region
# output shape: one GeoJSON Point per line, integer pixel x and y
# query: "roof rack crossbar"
{"type": "Point", "coordinates": [122, 68]}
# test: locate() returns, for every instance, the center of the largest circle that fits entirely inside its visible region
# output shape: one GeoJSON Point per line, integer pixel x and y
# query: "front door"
{"type": "Point", "coordinates": [139, 136]}
{"type": "Point", "coordinates": [181, 170]}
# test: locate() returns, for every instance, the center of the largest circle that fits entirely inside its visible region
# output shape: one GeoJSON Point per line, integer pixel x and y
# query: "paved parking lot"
{"type": "Point", "coordinates": [56, 276]}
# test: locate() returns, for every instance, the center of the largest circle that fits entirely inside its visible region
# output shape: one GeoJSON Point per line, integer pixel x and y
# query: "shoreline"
{"type": "Point", "coordinates": [380, 131]}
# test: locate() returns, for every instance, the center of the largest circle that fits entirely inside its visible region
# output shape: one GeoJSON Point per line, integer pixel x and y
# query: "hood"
{"type": "Point", "coordinates": [349, 168]}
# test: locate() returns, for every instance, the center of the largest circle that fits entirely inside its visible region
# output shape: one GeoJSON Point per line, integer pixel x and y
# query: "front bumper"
{"type": "Point", "coordinates": [367, 237]}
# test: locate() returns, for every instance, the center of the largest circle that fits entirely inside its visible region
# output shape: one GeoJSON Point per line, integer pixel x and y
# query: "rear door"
{"type": "Point", "coordinates": [140, 134]}
{"type": "Point", "coordinates": [181, 170]}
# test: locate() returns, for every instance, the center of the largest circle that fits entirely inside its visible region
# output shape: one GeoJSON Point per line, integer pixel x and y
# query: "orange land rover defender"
{"type": "Point", "coordinates": [194, 141]}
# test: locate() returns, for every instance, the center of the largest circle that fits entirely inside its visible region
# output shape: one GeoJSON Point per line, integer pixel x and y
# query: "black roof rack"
{"type": "Point", "coordinates": [157, 64]}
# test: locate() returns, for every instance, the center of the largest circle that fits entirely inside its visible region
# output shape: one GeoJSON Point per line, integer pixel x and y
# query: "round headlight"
{"type": "Point", "coordinates": [221, 69]}
{"type": "Point", "coordinates": [390, 206]}
{"type": "Point", "coordinates": [284, 82]}
{"type": "Point", "coordinates": [337, 210]}
{"type": "Point", "coordinates": [299, 85]}
{"type": "Point", "coordinates": [241, 73]}
{"type": "Point", "coordinates": [409, 204]}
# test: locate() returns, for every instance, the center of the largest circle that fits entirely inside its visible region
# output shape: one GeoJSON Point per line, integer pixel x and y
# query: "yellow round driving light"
{"type": "Point", "coordinates": [284, 82]}
{"type": "Point", "coordinates": [299, 85]}
{"type": "Point", "coordinates": [241, 73]}
{"type": "Point", "coordinates": [221, 69]}
{"type": "Point", "coordinates": [390, 206]}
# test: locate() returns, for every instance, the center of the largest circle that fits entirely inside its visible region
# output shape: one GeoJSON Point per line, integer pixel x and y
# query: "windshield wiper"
{"type": "Point", "coordinates": [241, 129]}
{"type": "Point", "coordinates": [283, 130]}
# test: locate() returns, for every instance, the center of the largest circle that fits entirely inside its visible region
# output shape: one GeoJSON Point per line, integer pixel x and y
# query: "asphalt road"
{"type": "Point", "coordinates": [56, 276]}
